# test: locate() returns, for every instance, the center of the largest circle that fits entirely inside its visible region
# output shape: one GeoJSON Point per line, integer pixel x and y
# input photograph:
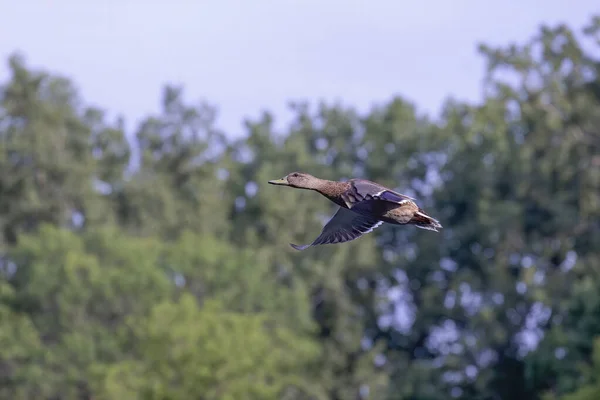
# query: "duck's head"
{"type": "Point", "coordinates": [300, 180]}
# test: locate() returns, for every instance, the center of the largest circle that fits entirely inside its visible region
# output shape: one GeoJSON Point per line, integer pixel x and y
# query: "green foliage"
{"type": "Point", "coordinates": [155, 265]}
{"type": "Point", "coordinates": [186, 351]}
{"type": "Point", "coordinates": [591, 373]}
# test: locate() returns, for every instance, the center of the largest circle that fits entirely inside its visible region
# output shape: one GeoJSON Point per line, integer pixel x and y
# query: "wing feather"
{"type": "Point", "coordinates": [344, 226]}
{"type": "Point", "coordinates": [364, 191]}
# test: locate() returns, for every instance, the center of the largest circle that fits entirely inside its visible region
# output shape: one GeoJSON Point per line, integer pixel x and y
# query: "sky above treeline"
{"type": "Point", "coordinates": [247, 56]}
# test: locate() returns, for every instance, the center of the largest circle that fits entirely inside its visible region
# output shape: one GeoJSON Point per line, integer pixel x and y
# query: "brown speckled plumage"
{"type": "Point", "coordinates": [334, 191]}
{"type": "Point", "coordinates": [364, 206]}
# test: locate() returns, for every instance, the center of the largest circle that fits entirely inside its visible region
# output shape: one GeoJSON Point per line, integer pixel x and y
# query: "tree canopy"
{"type": "Point", "coordinates": [154, 264]}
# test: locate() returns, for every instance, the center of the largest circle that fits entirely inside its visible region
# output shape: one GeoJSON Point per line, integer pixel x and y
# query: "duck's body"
{"type": "Point", "coordinates": [364, 206]}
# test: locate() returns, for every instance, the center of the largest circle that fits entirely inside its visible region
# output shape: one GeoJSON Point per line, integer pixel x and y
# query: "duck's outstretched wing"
{"type": "Point", "coordinates": [362, 191]}
{"type": "Point", "coordinates": [344, 226]}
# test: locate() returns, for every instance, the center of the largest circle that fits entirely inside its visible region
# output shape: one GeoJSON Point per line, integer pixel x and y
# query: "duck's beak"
{"type": "Point", "coordinates": [281, 181]}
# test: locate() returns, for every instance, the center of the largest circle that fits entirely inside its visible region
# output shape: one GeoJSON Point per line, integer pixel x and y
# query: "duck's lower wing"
{"type": "Point", "coordinates": [344, 226]}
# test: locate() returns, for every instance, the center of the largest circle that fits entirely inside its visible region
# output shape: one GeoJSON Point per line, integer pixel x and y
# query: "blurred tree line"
{"type": "Point", "coordinates": [156, 265]}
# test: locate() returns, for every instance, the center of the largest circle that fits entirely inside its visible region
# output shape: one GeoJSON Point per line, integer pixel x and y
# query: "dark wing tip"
{"type": "Point", "coordinates": [300, 247]}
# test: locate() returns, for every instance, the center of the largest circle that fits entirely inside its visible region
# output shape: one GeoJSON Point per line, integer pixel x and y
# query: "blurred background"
{"type": "Point", "coordinates": [143, 255]}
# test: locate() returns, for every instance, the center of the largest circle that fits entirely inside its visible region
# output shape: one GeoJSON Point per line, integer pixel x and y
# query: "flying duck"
{"type": "Point", "coordinates": [364, 206]}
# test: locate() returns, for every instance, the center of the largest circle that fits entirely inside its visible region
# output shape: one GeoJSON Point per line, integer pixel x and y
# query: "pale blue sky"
{"type": "Point", "coordinates": [249, 55]}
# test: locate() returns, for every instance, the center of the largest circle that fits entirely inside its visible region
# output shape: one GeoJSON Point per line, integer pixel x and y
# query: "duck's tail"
{"type": "Point", "coordinates": [424, 221]}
